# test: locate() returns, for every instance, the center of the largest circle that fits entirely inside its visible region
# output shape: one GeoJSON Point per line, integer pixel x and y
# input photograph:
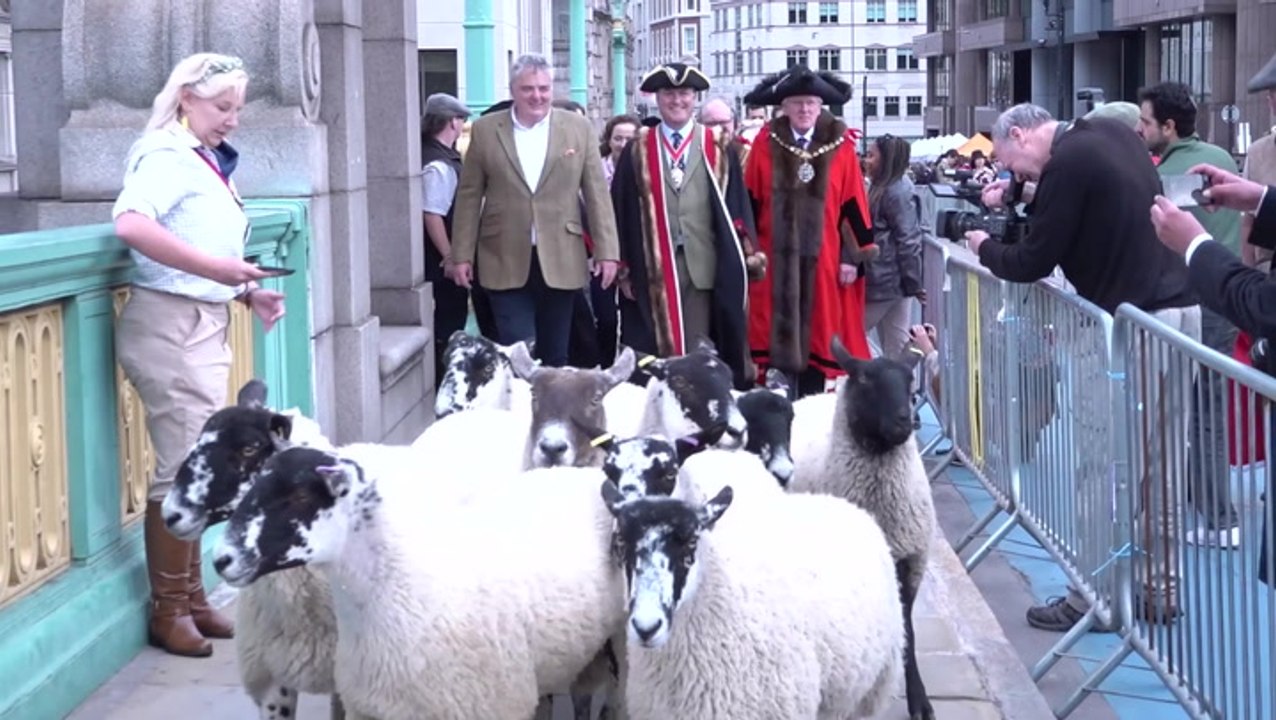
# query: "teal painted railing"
{"type": "Point", "coordinates": [64, 638]}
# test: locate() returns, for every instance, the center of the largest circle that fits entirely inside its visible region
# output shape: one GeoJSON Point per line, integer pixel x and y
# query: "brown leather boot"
{"type": "Point", "coordinates": [210, 622]}
{"type": "Point", "coordinates": [168, 563]}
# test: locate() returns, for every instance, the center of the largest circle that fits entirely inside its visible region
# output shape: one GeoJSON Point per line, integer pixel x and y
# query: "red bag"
{"type": "Point", "coordinates": [1240, 449]}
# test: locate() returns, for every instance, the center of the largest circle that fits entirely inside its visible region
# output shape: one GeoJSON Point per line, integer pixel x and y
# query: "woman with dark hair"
{"type": "Point", "coordinates": [980, 169]}
{"type": "Point", "coordinates": [895, 277]}
{"type": "Point", "coordinates": [620, 129]}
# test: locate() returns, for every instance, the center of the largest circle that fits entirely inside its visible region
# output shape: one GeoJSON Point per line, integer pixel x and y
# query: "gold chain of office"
{"type": "Point", "coordinates": [806, 171]}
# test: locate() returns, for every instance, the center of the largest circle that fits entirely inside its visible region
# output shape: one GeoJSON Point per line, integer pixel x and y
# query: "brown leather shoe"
{"type": "Point", "coordinates": [210, 622]}
{"type": "Point", "coordinates": [168, 564]}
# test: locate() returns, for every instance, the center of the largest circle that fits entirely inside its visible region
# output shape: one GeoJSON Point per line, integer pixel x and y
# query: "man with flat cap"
{"type": "Point", "coordinates": [684, 225]}
{"type": "Point", "coordinates": [806, 185]}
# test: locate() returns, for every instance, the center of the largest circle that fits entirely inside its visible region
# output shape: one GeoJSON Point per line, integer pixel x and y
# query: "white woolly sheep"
{"type": "Point", "coordinates": [478, 374]}
{"type": "Point", "coordinates": [765, 619]}
{"type": "Point", "coordinates": [858, 444]}
{"type": "Point", "coordinates": [686, 395]}
{"type": "Point", "coordinates": [283, 626]}
{"type": "Point", "coordinates": [444, 613]}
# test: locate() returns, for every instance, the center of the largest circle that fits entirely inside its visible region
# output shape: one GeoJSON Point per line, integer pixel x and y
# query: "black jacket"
{"type": "Point", "coordinates": [1243, 295]}
{"type": "Point", "coordinates": [432, 150]}
{"type": "Point", "coordinates": [1091, 217]}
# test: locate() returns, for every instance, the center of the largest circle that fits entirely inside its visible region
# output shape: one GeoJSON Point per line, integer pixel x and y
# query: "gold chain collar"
{"type": "Point", "coordinates": [807, 154]}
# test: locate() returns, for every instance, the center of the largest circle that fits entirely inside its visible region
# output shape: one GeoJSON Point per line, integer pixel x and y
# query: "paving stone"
{"type": "Point", "coordinates": [966, 710]}
{"type": "Point", "coordinates": [951, 676]}
{"type": "Point", "coordinates": [935, 635]}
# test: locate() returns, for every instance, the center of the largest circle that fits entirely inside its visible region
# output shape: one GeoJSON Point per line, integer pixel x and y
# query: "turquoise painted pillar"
{"type": "Point", "coordinates": [480, 54]}
{"type": "Point", "coordinates": [619, 41]}
{"type": "Point", "coordinates": [578, 42]}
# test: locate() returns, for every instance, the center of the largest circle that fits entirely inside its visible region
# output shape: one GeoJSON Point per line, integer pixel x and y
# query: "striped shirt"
{"type": "Point", "coordinates": [166, 179]}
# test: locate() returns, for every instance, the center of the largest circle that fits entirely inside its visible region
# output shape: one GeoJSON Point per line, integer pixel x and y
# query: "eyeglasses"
{"type": "Point", "coordinates": [220, 65]}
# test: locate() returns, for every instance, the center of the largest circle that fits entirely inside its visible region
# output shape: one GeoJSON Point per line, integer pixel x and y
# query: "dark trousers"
{"type": "Point", "coordinates": [535, 312]}
{"type": "Point", "coordinates": [607, 319]}
{"type": "Point", "coordinates": [1210, 489]}
{"type": "Point", "coordinates": [451, 306]}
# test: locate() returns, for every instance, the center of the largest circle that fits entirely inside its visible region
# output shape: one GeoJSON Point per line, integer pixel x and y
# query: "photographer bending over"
{"type": "Point", "coordinates": [1089, 216]}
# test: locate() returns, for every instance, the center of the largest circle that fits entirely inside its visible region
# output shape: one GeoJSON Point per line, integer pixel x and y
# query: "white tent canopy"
{"type": "Point", "coordinates": [929, 148]}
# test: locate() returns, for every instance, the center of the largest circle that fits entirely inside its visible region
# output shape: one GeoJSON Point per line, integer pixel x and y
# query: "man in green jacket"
{"type": "Point", "coordinates": [1167, 123]}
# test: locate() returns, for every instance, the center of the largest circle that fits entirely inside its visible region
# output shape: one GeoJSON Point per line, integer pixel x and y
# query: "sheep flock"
{"type": "Point", "coordinates": [645, 534]}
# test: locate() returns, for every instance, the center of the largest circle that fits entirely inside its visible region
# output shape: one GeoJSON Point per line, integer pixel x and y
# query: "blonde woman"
{"type": "Point", "coordinates": [184, 223]}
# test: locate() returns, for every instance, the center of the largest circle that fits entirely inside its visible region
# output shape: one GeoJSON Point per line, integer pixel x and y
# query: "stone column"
{"type": "Point", "coordinates": [578, 45]}
{"type": "Point", "coordinates": [347, 334]}
{"type": "Point", "coordinates": [40, 108]}
{"type": "Point", "coordinates": [400, 296]}
{"type": "Point", "coordinates": [480, 53]}
{"type": "Point", "coordinates": [619, 41]}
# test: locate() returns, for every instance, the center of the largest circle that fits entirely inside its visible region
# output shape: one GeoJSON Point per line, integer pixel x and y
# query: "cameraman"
{"type": "Point", "coordinates": [1089, 216]}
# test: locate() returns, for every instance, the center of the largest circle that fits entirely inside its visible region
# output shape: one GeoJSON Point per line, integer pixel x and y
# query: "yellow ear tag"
{"type": "Point", "coordinates": [605, 437]}
{"type": "Point", "coordinates": [646, 360]}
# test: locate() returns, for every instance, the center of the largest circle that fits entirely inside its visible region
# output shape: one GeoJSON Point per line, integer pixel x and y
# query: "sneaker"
{"type": "Point", "coordinates": [1225, 538]}
{"type": "Point", "coordinates": [1056, 615]}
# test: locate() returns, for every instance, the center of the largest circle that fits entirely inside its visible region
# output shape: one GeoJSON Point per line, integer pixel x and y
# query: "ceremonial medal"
{"type": "Point", "coordinates": [675, 172]}
{"type": "Point", "coordinates": [806, 172]}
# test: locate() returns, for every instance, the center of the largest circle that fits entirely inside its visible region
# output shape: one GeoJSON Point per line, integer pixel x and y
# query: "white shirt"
{"type": "Point", "coordinates": [532, 144]}
{"type": "Point", "coordinates": [684, 132]}
{"type": "Point", "coordinates": [166, 180]}
{"type": "Point", "coordinates": [1204, 237]}
{"type": "Point", "coordinates": [438, 188]}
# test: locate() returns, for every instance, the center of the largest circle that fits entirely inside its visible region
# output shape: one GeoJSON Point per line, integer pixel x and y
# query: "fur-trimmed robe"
{"type": "Point", "coordinates": [797, 309]}
{"type": "Point", "coordinates": [651, 322]}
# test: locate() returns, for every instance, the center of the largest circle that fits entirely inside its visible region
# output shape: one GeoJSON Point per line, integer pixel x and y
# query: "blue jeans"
{"type": "Point", "coordinates": [535, 312]}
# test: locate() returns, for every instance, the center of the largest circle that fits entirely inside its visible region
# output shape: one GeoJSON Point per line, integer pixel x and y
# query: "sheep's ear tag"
{"type": "Point", "coordinates": [646, 360]}
{"type": "Point", "coordinates": [601, 440]}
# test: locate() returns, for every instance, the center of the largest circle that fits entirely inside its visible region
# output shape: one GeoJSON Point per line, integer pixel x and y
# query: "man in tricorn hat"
{"type": "Point", "coordinates": [1260, 163]}
{"type": "Point", "coordinates": [684, 224]}
{"type": "Point", "coordinates": [805, 181]}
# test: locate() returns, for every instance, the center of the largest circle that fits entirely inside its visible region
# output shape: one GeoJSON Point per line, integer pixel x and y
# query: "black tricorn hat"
{"type": "Point", "coordinates": [651, 121]}
{"type": "Point", "coordinates": [1264, 79]}
{"type": "Point", "coordinates": [674, 75]}
{"type": "Point", "coordinates": [800, 80]}
{"type": "Point", "coordinates": [502, 105]}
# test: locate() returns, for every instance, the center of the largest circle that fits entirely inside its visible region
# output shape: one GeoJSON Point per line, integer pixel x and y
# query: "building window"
{"type": "Point", "coordinates": [892, 106]}
{"type": "Point", "coordinates": [939, 13]}
{"type": "Point", "coordinates": [999, 79]}
{"type": "Point", "coordinates": [831, 59]}
{"type": "Point", "coordinates": [796, 57]}
{"type": "Point", "coordinates": [941, 72]}
{"type": "Point", "coordinates": [1186, 50]}
{"type": "Point", "coordinates": [870, 107]}
{"type": "Point", "coordinates": [905, 59]}
{"type": "Point", "coordinates": [908, 11]}
{"type": "Point", "coordinates": [739, 63]}
{"type": "Point", "coordinates": [875, 59]}
{"type": "Point", "coordinates": [689, 41]}
{"type": "Point", "coordinates": [828, 13]}
{"type": "Point", "coordinates": [797, 13]}
{"type": "Point", "coordinates": [992, 9]}
{"type": "Point", "coordinates": [876, 11]}
{"type": "Point", "coordinates": [737, 18]}
{"type": "Point", "coordinates": [692, 5]}
{"type": "Point", "coordinates": [436, 71]}
{"type": "Point", "coordinates": [914, 105]}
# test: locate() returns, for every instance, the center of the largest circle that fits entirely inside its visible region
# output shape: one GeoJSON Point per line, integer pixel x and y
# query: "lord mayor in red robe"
{"type": "Point", "coordinates": [804, 178]}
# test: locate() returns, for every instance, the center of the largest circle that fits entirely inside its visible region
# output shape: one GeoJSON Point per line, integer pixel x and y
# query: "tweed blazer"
{"type": "Point", "coordinates": [496, 209]}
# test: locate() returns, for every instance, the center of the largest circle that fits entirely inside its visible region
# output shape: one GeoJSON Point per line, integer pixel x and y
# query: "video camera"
{"type": "Point", "coordinates": [1003, 225]}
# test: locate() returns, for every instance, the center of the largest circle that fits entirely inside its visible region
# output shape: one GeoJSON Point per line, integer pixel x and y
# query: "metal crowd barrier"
{"type": "Point", "coordinates": [1111, 443]}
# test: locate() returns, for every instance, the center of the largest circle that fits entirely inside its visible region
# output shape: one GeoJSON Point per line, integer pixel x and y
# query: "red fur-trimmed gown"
{"type": "Point", "coordinates": [797, 309]}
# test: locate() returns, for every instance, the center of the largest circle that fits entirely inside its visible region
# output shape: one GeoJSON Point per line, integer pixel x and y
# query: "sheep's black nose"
{"type": "Point", "coordinates": [553, 447]}
{"type": "Point", "coordinates": [221, 563]}
{"type": "Point", "coordinates": [647, 633]}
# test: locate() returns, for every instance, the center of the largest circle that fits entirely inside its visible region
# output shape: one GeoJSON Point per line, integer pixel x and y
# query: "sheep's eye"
{"type": "Point", "coordinates": [250, 450]}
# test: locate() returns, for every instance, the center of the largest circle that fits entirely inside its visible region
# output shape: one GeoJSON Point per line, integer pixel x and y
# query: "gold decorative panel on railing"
{"type": "Point", "coordinates": [35, 537]}
{"type": "Point", "coordinates": [137, 460]}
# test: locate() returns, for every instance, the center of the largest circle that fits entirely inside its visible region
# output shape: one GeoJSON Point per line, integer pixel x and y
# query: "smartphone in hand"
{"type": "Point", "coordinates": [1184, 191]}
{"type": "Point", "coordinates": [275, 270]}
